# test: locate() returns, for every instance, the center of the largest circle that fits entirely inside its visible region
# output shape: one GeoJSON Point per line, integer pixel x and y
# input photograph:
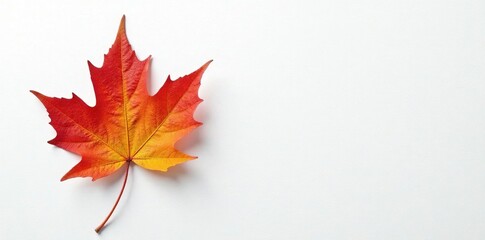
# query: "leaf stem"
{"type": "Point", "coordinates": [100, 227]}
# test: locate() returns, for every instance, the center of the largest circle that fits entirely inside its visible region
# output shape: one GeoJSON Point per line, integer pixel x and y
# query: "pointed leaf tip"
{"type": "Point", "coordinates": [205, 66]}
{"type": "Point", "coordinates": [208, 62]}
{"type": "Point", "coordinates": [122, 27]}
{"type": "Point", "coordinates": [37, 94]}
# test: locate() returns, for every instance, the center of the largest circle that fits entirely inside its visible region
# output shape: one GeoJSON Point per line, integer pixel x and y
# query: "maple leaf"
{"type": "Point", "coordinates": [126, 124]}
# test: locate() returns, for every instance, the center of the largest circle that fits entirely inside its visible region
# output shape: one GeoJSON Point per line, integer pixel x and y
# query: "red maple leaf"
{"type": "Point", "coordinates": [127, 124]}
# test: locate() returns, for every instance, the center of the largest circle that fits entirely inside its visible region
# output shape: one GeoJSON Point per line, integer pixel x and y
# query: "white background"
{"type": "Point", "coordinates": [323, 120]}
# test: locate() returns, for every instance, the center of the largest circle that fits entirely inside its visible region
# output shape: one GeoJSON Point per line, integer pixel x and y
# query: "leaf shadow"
{"type": "Point", "coordinates": [174, 173]}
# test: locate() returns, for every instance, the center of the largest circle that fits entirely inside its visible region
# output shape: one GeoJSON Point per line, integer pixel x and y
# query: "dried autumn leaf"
{"type": "Point", "coordinates": [126, 124]}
